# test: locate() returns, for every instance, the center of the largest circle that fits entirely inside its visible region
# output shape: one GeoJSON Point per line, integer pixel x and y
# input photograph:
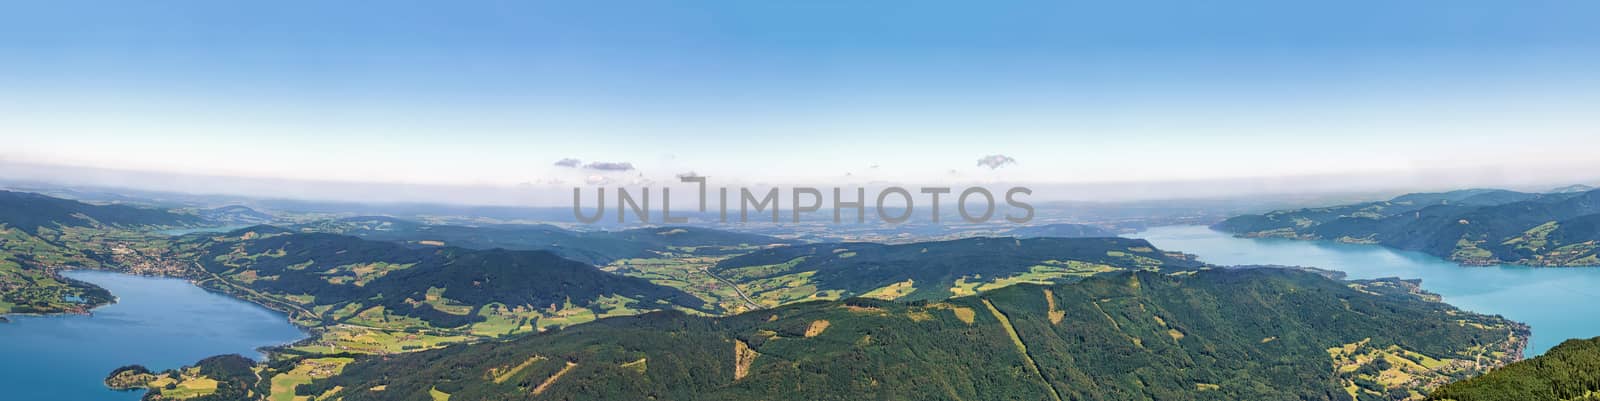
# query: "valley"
{"type": "Point", "coordinates": [799, 200]}
{"type": "Point", "coordinates": [377, 292]}
{"type": "Point", "coordinates": [158, 322]}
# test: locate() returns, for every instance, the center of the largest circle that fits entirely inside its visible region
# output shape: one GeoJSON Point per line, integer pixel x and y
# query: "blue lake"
{"type": "Point", "coordinates": [160, 323]}
{"type": "Point", "coordinates": [1560, 303]}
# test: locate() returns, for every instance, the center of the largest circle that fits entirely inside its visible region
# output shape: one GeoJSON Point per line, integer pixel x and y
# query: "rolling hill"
{"type": "Point", "coordinates": [1061, 230]}
{"type": "Point", "coordinates": [934, 270]}
{"type": "Point", "coordinates": [1472, 227]}
{"type": "Point", "coordinates": [235, 215]}
{"type": "Point", "coordinates": [338, 279]}
{"type": "Point", "coordinates": [594, 247]}
{"type": "Point", "coordinates": [1253, 334]}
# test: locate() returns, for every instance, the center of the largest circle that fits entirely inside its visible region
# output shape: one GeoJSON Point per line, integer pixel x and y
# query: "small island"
{"type": "Point", "coordinates": [130, 377]}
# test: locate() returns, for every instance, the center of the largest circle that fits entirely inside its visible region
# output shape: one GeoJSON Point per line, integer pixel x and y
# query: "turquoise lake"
{"type": "Point", "coordinates": [1560, 303]}
{"type": "Point", "coordinates": [160, 323]}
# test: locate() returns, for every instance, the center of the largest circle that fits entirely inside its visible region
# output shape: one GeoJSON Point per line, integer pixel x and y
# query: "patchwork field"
{"type": "Point", "coordinates": [284, 383]}
{"type": "Point", "coordinates": [688, 272]}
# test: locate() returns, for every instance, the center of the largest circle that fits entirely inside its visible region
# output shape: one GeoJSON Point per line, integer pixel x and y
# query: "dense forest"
{"type": "Point", "coordinates": [1568, 372]}
{"type": "Point", "coordinates": [442, 286]}
{"type": "Point", "coordinates": [936, 270]}
{"type": "Point", "coordinates": [1476, 227]}
{"type": "Point", "coordinates": [1256, 334]}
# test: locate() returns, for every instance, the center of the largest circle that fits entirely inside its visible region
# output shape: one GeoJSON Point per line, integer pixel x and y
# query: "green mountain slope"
{"type": "Point", "coordinates": [934, 270]}
{"type": "Point", "coordinates": [1470, 227]}
{"type": "Point", "coordinates": [328, 279]}
{"type": "Point", "coordinates": [594, 247]}
{"type": "Point", "coordinates": [1568, 372]}
{"type": "Point", "coordinates": [1258, 334]}
{"type": "Point", "coordinates": [31, 212]}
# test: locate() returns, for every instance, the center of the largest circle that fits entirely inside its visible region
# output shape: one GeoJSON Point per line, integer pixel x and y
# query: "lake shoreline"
{"type": "Point", "coordinates": [1552, 301]}
{"type": "Point", "coordinates": [61, 274]}
{"type": "Point", "coordinates": [156, 321]}
{"type": "Point", "coordinates": [266, 350]}
{"type": "Point", "coordinates": [1461, 263]}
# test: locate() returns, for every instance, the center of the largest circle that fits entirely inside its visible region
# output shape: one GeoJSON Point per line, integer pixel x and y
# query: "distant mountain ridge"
{"type": "Point", "coordinates": [594, 247]}
{"type": "Point", "coordinates": [235, 214]}
{"type": "Point", "coordinates": [1475, 227]}
{"type": "Point", "coordinates": [1061, 230]}
{"type": "Point", "coordinates": [30, 212]}
{"type": "Point", "coordinates": [1572, 189]}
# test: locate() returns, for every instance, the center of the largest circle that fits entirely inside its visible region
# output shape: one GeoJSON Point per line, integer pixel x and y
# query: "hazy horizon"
{"type": "Point", "coordinates": [1102, 101]}
{"type": "Point", "coordinates": [1362, 186]}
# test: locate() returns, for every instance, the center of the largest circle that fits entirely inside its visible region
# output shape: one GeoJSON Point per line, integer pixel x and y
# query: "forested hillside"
{"type": "Point", "coordinates": [329, 278]}
{"type": "Point", "coordinates": [31, 212]}
{"type": "Point", "coordinates": [1256, 334]}
{"type": "Point", "coordinates": [1471, 227]}
{"type": "Point", "coordinates": [1568, 372]}
{"type": "Point", "coordinates": [936, 270]}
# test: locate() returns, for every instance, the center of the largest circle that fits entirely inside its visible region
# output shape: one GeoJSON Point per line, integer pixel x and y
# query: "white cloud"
{"type": "Point", "coordinates": [996, 161]}
{"type": "Point", "coordinates": [609, 166]}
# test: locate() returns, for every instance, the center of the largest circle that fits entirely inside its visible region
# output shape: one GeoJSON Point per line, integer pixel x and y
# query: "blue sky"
{"type": "Point", "coordinates": [493, 93]}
